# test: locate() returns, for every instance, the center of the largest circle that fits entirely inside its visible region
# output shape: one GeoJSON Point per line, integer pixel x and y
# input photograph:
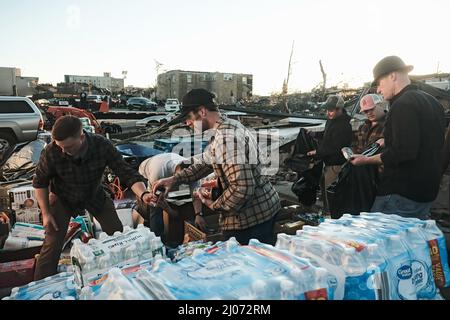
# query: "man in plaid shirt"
{"type": "Point", "coordinates": [249, 203]}
{"type": "Point", "coordinates": [73, 166]}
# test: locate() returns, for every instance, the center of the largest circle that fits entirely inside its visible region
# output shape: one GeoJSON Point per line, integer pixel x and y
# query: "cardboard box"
{"type": "Point", "coordinates": [22, 197]}
{"type": "Point", "coordinates": [288, 226]}
{"type": "Point", "coordinates": [287, 212]}
{"type": "Point", "coordinates": [28, 215]}
{"type": "Point", "coordinates": [16, 273]}
{"type": "Point", "coordinates": [192, 233]}
{"type": "Point", "coordinates": [4, 191]}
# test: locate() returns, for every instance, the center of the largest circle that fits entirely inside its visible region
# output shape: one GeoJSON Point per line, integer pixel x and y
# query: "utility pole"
{"type": "Point", "coordinates": [157, 68]}
{"type": "Point", "coordinates": [324, 75]}
{"type": "Point", "coordinates": [124, 76]}
{"type": "Point", "coordinates": [286, 82]}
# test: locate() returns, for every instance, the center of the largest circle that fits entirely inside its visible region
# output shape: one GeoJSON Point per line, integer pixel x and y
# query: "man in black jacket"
{"type": "Point", "coordinates": [337, 134]}
{"type": "Point", "coordinates": [414, 137]}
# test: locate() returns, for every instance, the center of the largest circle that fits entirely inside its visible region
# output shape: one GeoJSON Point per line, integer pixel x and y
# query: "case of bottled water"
{"type": "Point", "coordinates": [375, 256]}
{"type": "Point", "coordinates": [99, 256]}
{"type": "Point", "coordinates": [231, 271]}
{"type": "Point", "coordinates": [57, 287]}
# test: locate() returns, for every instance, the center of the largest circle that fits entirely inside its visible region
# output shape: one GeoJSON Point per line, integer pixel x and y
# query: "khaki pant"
{"type": "Point", "coordinates": [329, 175]}
{"type": "Point", "coordinates": [47, 263]}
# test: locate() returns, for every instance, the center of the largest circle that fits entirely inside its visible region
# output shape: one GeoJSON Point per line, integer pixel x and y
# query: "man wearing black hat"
{"type": "Point", "coordinates": [249, 203]}
{"type": "Point", "coordinates": [337, 134]}
{"type": "Point", "coordinates": [414, 136]}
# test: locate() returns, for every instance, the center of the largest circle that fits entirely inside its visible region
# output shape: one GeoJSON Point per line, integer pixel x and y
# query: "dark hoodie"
{"type": "Point", "coordinates": [337, 134]}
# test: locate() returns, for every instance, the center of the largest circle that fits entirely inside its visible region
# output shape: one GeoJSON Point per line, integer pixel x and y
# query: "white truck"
{"type": "Point", "coordinates": [172, 105]}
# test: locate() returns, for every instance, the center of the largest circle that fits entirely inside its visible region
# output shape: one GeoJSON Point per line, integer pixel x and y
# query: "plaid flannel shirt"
{"type": "Point", "coordinates": [248, 198]}
{"type": "Point", "coordinates": [367, 135]}
{"type": "Point", "coordinates": [77, 183]}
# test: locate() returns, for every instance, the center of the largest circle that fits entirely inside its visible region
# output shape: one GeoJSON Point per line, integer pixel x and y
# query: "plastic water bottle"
{"type": "Point", "coordinates": [89, 265]}
{"type": "Point", "coordinates": [421, 264]}
{"type": "Point", "coordinates": [283, 241]}
{"type": "Point", "coordinates": [401, 269]}
{"type": "Point", "coordinates": [131, 254]}
{"type": "Point", "coordinates": [104, 235]}
{"type": "Point", "coordinates": [104, 262]}
{"type": "Point", "coordinates": [432, 230]}
{"type": "Point", "coordinates": [287, 289]}
{"type": "Point", "coordinates": [116, 255]}
{"type": "Point", "coordinates": [157, 247]}
{"type": "Point", "coordinates": [127, 229]}
{"type": "Point", "coordinates": [141, 247]}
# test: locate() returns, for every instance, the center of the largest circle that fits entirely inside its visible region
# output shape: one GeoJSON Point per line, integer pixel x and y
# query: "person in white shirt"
{"type": "Point", "coordinates": [153, 169]}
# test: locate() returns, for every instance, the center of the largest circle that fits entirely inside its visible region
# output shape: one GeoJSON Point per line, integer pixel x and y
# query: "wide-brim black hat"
{"type": "Point", "coordinates": [387, 65]}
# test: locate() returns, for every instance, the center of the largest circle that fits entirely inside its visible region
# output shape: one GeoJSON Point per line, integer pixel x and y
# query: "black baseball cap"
{"type": "Point", "coordinates": [196, 98]}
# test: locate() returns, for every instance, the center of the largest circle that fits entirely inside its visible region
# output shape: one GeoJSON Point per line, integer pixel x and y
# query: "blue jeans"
{"type": "Point", "coordinates": [262, 232]}
{"type": "Point", "coordinates": [153, 218]}
{"type": "Point", "coordinates": [396, 204]}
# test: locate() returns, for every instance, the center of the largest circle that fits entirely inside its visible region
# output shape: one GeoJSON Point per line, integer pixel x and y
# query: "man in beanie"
{"type": "Point", "coordinates": [249, 203]}
{"type": "Point", "coordinates": [73, 165]}
{"type": "Point", "coordinates": [337, 135]}
{"type": "Point", "coordinates": [374, 107]}
{"type": "Point", "coordinates": [414, 137]}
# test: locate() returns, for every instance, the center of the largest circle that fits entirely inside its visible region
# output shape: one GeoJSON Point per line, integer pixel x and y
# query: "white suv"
{"type": "Point", "coordinates": [172, 105]}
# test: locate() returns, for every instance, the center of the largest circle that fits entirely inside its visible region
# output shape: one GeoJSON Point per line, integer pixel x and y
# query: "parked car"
{"type": "Point", "coordinates": [95, 98]}
{"type": "Point", "coordinates": [172, 105]}
{"type": "Point", "coordinates": [142, 104]}
{"type": "Point", "coordinates": [123, 98]}
{"type": "Point", "coordinates": [20, 121]}
{"type": "Point", "coordinates": [155, 120]}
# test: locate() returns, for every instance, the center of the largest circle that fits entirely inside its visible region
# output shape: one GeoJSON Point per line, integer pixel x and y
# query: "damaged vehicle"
{"type": "Point", "coordinates": [155, 121]}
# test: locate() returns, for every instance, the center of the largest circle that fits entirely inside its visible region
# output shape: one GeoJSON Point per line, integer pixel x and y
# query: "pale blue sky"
{"type": "Point", "coordinates": [51, 38]}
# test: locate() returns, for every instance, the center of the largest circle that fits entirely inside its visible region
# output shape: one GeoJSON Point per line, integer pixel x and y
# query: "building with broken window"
{"type": "Point", "coordinates": [229, 88]}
